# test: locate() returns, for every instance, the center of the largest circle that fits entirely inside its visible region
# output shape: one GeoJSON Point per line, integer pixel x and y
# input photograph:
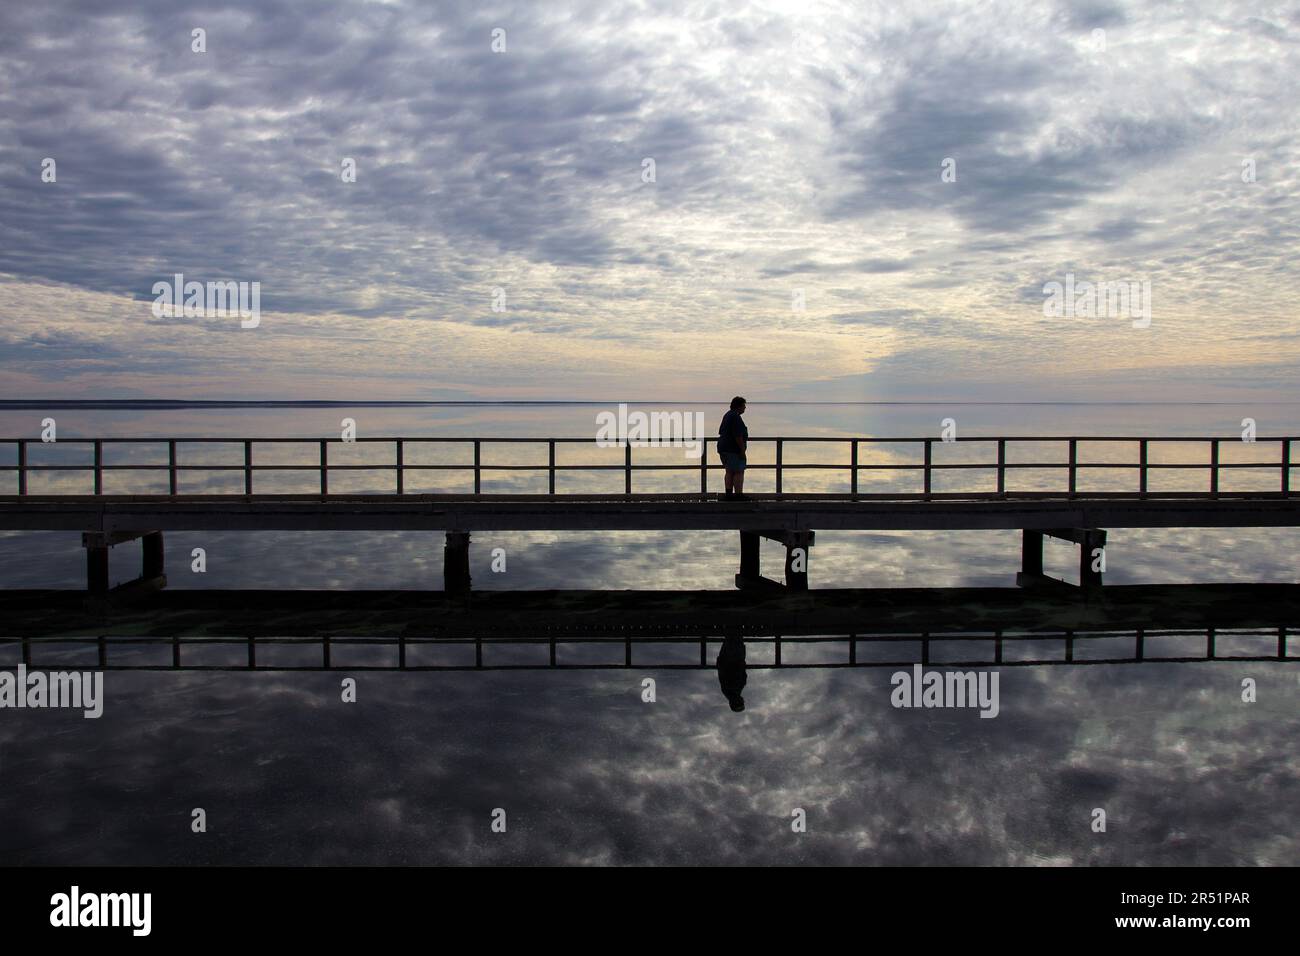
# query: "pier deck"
{"type": "Point", "coordinates": [107, 514]}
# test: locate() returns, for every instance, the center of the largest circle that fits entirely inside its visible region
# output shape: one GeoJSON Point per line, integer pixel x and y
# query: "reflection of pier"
{"type": "Point", "coordinates": [411, 630]}
{"type": "Point", "coordinates": [1072, 510]}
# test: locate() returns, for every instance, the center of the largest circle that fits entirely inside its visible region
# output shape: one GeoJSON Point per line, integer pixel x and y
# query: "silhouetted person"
{"type": "Point", "coordinates": [733, 439]}
{"type": "Point", "coordinates": [731, 670]}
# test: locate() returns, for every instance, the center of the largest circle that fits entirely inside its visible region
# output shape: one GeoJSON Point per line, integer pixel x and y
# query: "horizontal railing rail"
{"type": "Point", "coordinates": [1001, 465]}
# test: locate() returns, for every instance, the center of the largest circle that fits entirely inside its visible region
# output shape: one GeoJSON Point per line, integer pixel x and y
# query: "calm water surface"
{"type": "Point", "coordinates": [587, 772]}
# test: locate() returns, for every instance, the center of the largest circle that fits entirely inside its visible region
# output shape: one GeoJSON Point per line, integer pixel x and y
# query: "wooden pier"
{"type": "Point", "coordinates": [1070, 512]}
{"type": "Point", "coordinates": [430, 630]}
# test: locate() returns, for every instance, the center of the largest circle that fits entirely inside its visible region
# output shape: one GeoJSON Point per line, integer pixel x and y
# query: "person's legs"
{"type": "Point", "coordinates": [733, 466]}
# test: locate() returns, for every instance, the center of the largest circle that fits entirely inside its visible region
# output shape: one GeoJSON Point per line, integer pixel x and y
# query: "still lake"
{"type": "Point", "coordinates": [589, 773]}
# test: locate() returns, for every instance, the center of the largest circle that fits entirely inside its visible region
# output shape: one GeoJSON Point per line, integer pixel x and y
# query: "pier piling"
{"type": "Point", "coordinates": [455, 563]}
{"type": "Point", "coordinates": [97, 543]}
{"type": "Point", "coordinates": [1031, 554]}
{"type": "Point", "coordinates": [797, 550]}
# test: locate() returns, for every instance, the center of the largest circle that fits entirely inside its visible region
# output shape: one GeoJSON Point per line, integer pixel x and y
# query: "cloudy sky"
{"type": "Point", "coordinates": [797, 150]}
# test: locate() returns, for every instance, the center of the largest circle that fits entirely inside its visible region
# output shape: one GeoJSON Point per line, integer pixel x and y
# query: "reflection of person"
{"type": "Point", "coordinates": [731, 670]}
{"type": "Point", "coordinates": [733, 439]}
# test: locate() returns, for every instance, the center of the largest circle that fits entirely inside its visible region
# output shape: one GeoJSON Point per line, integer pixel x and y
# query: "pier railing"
{"type": "Point", "coordinates": [994, 648]}
{"type": "Point", "coordinates": [1001, 464]}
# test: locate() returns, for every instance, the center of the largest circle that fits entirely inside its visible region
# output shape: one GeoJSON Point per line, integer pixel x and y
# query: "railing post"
{"type": "Point", "coordinates": [1142, 467]}
{"type": "Point", "coordinates": [478, 465]}
{"type": "Point", "coordinates": [248, 467]}
{"type": "Point", "coordinates": [22, 468]}
{"type": "Point", "coordinates": [550, 473]}
{"type": "Point", "coordinates": [780, 442]}
{"type": "Point", "coordinates": [400, 483]}
{"type": "Point", "coordinates": [324, 468]}
{"type": "Point", "coordinates": [704, 466]}
{"type": "Point", "coordinates": [1286, 466]}
{"type": "Point", "coordinates": [853, 468]}
{"type": "Point", "coordinates": [1214, 467]}
{"type": "Point", "coordinates": [1074, 464]}
{"type": "Point", "coordinates": [928, 460]}
{"type": "Point", "coordinates": [1002, 466]}
{"type": "Point", "coordinates": [171, 467]}
{"type": "Point", "coordinates": [627, 467]}
{"type": "Point", "coordinates": [99, 467]}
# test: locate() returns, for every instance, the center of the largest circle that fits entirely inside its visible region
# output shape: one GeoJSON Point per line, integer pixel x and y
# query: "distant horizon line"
{"type": "Point", "coordinates": [143, 403]}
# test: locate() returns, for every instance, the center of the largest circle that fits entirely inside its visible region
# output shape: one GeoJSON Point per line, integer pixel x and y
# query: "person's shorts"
{"type": "Point", "coordinates": [732, 461]}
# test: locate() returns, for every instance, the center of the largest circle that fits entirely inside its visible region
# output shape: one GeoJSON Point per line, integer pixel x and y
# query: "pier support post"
{"type": "Point", "coordinates": [455, 564]}
{"type": "Point", "coordinates": [152, 558]}
{"type": "Point", "coordinates": [797, 545]}
{"type": "Point", "coordinates": [749, 574]}
{"type": "Point", "coordinates": [97, 569]}
{"type": "Point", "coordinates": [1031, 553]}
{"type": "Point", "coordinates": [798, 550]}
{"type": "Point", "coordinates": [1091, 540]}
{"type": "Point", "coordinates": [152, 572]}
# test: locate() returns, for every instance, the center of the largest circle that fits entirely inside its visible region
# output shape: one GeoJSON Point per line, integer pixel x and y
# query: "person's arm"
{"type": "Point", "coordinates": [742, 436]}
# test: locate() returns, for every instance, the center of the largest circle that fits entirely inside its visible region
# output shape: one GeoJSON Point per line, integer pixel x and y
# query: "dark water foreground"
{"type": "Point", "coordinates": [587, 770]}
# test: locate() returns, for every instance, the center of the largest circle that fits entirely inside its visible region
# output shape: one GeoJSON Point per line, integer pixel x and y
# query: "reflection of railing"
{"type": "Point", "coordinates": [927, 468]}
{"type": "Point", "coordinates": [995, 644]}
